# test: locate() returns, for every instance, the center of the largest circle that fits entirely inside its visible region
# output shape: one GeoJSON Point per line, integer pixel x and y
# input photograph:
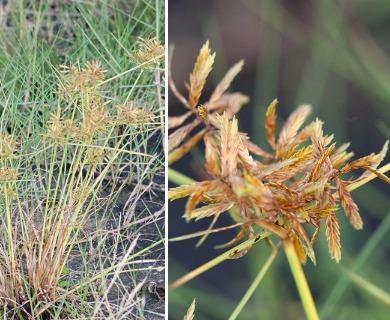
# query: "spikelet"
{"type": "Point", "coordinates": [291, 127]}
{"type": "Point", "coordinates": [314, 174]}
{"type": "Point", "coordinates": [178, 136]}
{"type": "Point", "coordinates": [202, 189]}
{"type": "Point", "coordinates": [7, 146]}
{"type": "Point", "coordinates": [213, 209]}
{"type": "Point", "coordinates": [229, 146]}
{"type": "Point", "coordinates": [212, 155]}
{"type": "Point", "coordinates": [350, 207]}
{"type": "Point", "coordinates": [174, 122]}
{"type": "Point", "coordinates": [371, 160]}
{"type": "Point", "coordinates": [225, 82]}
{"type": "Point", "coordinates": [190, 312]}
{"type": "Point", "coordinates": [199, 74]}
{"type": "Point", "coordinates": [149, 52]}
{"type": "Point", "coordinates": [181, 191]}
{"type": "Point", "coordinates": [185, 147]}
{"type": "Point", "coordinates": [270, 124]}
{"type": "Point", "coordinates": [333, 236]}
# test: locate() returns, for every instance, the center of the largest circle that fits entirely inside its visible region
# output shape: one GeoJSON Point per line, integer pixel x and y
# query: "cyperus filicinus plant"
{"type": "Point", "coordinates": [301, 181]}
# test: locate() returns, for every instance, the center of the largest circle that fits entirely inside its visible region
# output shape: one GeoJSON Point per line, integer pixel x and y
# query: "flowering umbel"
{"type": "Point", "coordinates": [149, 51]}
{"type": "Point", "coordinates": [299, 182]}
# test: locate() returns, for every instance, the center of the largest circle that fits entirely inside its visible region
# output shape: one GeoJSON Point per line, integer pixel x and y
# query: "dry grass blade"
{"type": "Point", "coordinates": [270, 123]}
{"type": "Point", "coordinates": [199, 74]}
{"type": "Point", "coordinates": [282, 233]}
{"type": "Point", "coordinates": [350, 207]}
{"type": "Point", "coordinates": [333, 236]}
{"type": "Point", "coordinates": [225, 82]}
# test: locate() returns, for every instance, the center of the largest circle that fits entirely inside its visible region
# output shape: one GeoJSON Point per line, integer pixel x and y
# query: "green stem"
{"type": "Point", "coordinates": [300, 280]}
{"type": "Point", "coordinates": [370, 177]}
{"type": "Point", "coordinates": [178, 178]}
{"type": "Point", "coordinates": [254, 285]}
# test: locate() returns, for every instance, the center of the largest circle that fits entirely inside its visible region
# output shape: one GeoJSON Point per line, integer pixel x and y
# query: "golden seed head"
{"type": "Point", "coordinates": [149, 51]}
{"type": "Point", "coordinates": [297, 182]}
{"type": "Point", "coordinates": [7, 146]}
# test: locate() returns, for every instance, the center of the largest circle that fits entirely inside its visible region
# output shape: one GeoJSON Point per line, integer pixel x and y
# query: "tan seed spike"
{"type": "Point", "coordinates": [210, 210]}
{"type": "Point", "coordinates": [270, 124]}
{"type": "Point", "coordinates": [225, 82]}
{"type": "Point", "coordinates": [318, 164]}
{"type": "Point", "coordinates": [174, 122]}
{"type": "Point", "coordinates": [372, 160]}
{"type": "Point", "coordinates": [178, 136]}
{"type": "Point", "coordinates": [246, 159]}
{"type": "Point", "coordinates": [185, 147]}
{"type": "Point", "coordinates": [293, 123]}
{"type": "Point", "coordinates": [181, 191]}
{"type": "Point", "coordinates": [212, 155]}
{"type": "Point", "coordinates": [350, 207]}
{"type": "Point", "coordinates": [317, 136]}
{"type": "Point", "coordinates": [198, 76]}
{"type": "Point", "coordinates": [229, 146]}
{"type": "Point", "coordinates": [332, 230]}
{"type": "Point", "coordinates": [198, 194]}
{"type": "Point", "coordinates": [190, 312]}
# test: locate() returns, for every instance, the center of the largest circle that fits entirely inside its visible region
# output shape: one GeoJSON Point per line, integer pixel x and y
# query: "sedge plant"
{"type": "Point", "coordinates": [78, 153]}
{"type": "Point", "coordinates": [47, 208]}
{"type": "Point", "coordinates": [302, 181]}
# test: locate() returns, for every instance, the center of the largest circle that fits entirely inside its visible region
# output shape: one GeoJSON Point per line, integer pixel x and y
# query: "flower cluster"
{"type": "Point", "coordinates": [79, 81]}
{"type": "Point", "coordinates": [149, 51]}
{"type": "Point", "coordinates": [299, 182]}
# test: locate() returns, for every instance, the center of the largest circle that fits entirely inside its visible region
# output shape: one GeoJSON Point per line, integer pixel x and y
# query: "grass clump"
{"type": "Point", "coordinates": [79, 151]}
{"type": "Point", "coordinates": [300, 181]}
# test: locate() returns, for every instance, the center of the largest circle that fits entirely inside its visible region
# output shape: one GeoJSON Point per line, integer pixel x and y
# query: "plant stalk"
{"type": "Point", "coordinates": [178, 178]}
{"type": "Point", "coordinates": [254, 285]}
{"type": "Point", "coordinates": [300, 280]}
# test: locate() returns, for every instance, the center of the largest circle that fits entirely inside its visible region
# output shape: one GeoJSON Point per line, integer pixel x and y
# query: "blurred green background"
{"type": "Point", "coordinates": [334, 55]}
